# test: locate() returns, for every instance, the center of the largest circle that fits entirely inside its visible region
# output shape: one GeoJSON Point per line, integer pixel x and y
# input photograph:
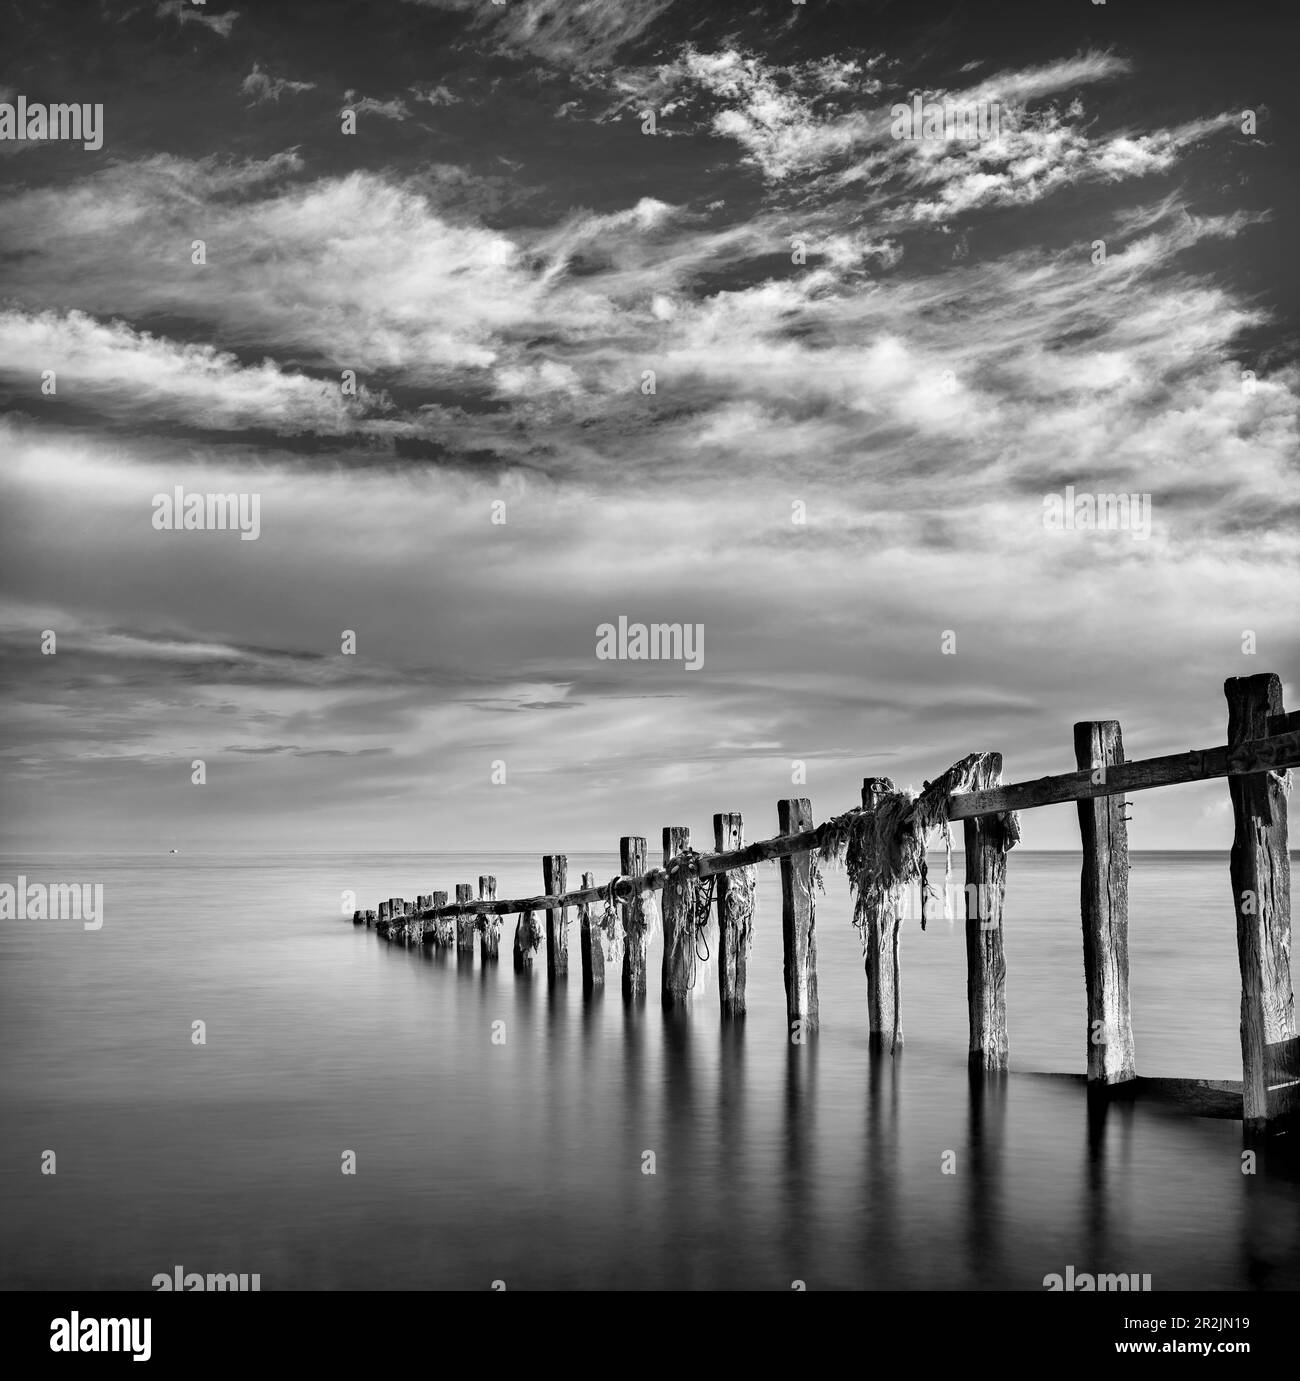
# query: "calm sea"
{"type": "Point", "coordinates": [524, 1161]}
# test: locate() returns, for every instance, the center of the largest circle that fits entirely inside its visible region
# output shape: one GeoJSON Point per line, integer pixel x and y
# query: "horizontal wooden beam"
{"type": "Point", "coordinates": [1200, 764]}
{"type": "Point", "coordinates": [1280, 751]}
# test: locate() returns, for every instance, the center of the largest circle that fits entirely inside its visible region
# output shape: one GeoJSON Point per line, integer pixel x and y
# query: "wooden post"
{"type": "Point", "coordinates": [370, 919]}
{"type": "Point", "coordinates": [1099, 746]}
{"type": "Point", "coordinates": [987, 839]}
{"type": "Point", "coordinates": [464, 924]}
{"type": "Point", "coordinates": [678, 969]}
{"type": "Point", "coordinates": [489, 927]}
{"type": "Point", "coordinates": [1260, 868]}
{"type": "Point", "coordinates": [798, 926]}
{"type": "Point", "coordinates": [524, 943]}
{"type": "Point", "coordinates": [631, 851]}
{"type": "Point", "coordinates": [593, 952]}
{"type": "Point", "coordinates": [555, 882]}
{"type": "Point", "coordinates": [880, 938]}
{"type": "Point", "coordinates": [433, 931]}
{"type": "Point", "coordinates": [735, 917]}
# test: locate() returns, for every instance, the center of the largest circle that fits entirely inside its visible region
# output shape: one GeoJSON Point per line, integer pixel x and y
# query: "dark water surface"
{"type": "Point", "coordinates": [523, 1162]}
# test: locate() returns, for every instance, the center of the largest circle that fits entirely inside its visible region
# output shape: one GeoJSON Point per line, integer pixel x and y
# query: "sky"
{"type": "Point", "coordinates": [874, 360]}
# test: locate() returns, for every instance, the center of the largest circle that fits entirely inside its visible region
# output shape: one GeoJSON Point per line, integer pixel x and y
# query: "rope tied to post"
{"type": "Point", "coordinates": [608, 923]}
{"type": "Point", "coordinates": [683, 871]}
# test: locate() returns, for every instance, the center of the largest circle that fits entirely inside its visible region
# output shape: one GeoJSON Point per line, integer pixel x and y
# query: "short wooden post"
{"type": "Point", "coordinates": [489, 926]}
{"type": "Point", "coordinates": [987, 839]}
{"type": "Point", "coordinates": [798, 926]}
{"type": "Point", "coordinates": [677, 971]}
{"type": "Point", "coordinates": [524, 951]}
{"type": "Point", "coordinates": [593, 952]}
{"type": "Point", "coordinates": [555, 882]}
{"type": "Point", "coordinates": [465, 922]}
{"type": "Point", "coordinates": [735, 917]}
{"type": "Point", "coordinates": [370, 919]}
{"type": "Point", "coordinates": [1098, 745]}
{"type": "Point", "coordinates": [433, 931]}
{"type": "Point", "coordinates": [632, 855]}
{"type": "Point", "coordinates": [1260, 868]}
{"type": "Point", "coordinates": [880, 938]}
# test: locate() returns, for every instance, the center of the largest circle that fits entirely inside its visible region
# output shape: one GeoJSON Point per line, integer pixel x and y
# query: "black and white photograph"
{"type": "Point", "coordinates": [650, 646]}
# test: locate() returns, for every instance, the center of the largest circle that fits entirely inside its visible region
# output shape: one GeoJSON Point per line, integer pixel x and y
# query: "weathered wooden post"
{"type": "Point", "coordinates": [489, 926]}
{"type": "Point", "coordinates": [423, 902]}
{"type": "Point", "coordinates": [1260, 868]}
{"type": "Point", "coordinates": [446, 937]}
{"type": "Point", "coordinates": [678, 968]}
{"type": "Point", "coordinates": [464, 922]}
{"type": "Point", "coordinates": [555, 882]}
{"type": "Point", "coordinates": [735, 917]}
{"type": "Point", "coordinates": [593, 952]}
{"type": "Point", "coordinates": [798, 926]}
{"type": "Point", "coordinates": [433, 931]}
{"type": "Point", "coordinates": [987, 839]}
{"type": "Point", "coordinates": [632, 854]}
{"type": "Point", "coordinates": [524, 951]}
{"type": "Point", "coordinates": [1098, 746]}
{"type": "Point", "coordinates": [880, 938]}
{"type": "Point", "coordinates": [370, 919]}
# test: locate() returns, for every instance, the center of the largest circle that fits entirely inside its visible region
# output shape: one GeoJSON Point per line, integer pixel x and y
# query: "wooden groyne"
{"type": "Point", "coordinates": [882, 843]}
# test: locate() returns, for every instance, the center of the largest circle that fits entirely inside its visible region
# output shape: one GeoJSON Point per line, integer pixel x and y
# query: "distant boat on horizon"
{"type": "Point", "coordinates": [173, 851]}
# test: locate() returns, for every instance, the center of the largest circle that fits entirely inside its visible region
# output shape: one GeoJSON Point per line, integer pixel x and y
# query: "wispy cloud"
{"type": "Point", "coordinates": [261, 86]}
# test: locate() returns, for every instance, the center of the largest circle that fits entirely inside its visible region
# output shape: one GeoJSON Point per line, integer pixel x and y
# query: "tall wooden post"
{"type": "Point", "coordinates": [593, 952]}
{"type": "Point", "coordinates": [1103, 888]}
{"type": "Point", "coordinates": [632, 855]}
{"type": "Point", "coordinates": [489, 926]}
{"type": "Point", "coordinates": [1260, 867]}
{"type": "Point", "coordinates": [677, 907]}
{"type": "Point", "coordinates": [464, 923]}
{"type": "Point", "coordinates": [735, 917]}
{"type": "Point", "coordinates": [987, 839]}
{"type": "Point", "coordinates": [555, 880]}
{"type": "Point", "coordinates": [880, 936]}
{"type": "Point", "coordinates": [798, 926]}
